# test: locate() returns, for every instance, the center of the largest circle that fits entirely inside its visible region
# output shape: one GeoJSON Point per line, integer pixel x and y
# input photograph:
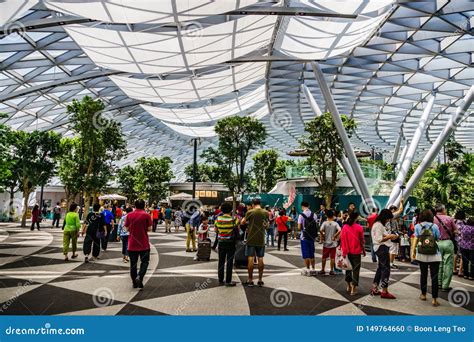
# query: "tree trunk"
{"type": "Point", "coordinates": [11, 209]}
{"type": "Point", "coordinates": [26, 196]}
{"type": "Point", "coordinates": [328, 199]}
{"type": "Point", "coordinates": [86, 204]}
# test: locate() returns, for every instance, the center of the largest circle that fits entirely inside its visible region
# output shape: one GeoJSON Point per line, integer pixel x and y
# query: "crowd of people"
{"type": "Point", "coordinates": [439, 244]}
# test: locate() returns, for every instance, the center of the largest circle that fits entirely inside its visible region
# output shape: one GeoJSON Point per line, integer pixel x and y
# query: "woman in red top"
{"type": "Point", "coordinates": [281, 222]}
{"type": "Point", "coordinates": [35, 217]}
{"type": "Point", "coordinates": [352, 246]}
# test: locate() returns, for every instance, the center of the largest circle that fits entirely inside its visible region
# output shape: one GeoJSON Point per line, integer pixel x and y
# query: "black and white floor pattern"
{"type": "Point", "coordinates": [35, 280]}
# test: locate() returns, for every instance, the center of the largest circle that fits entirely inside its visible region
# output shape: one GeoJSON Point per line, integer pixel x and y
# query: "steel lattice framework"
{"type": "Point", "coordinates": [168, 76]}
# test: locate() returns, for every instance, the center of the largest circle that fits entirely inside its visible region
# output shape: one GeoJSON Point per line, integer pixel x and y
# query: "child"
{"type": "Point", "coordinates": [405, 246]}
{"type": "Point", "coordinates": [329, 233]}
{"type": "Point", "coordinates": [203, 229]}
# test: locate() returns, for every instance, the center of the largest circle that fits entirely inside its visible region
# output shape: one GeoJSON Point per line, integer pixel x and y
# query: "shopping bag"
{"type": "Point", "coordinates": [342, 263]}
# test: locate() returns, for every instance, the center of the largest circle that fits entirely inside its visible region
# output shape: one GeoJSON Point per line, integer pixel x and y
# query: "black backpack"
{"type": "Point", "coordinates": [427, 242]}
{"type": "Point", "coordinates": [310, 227]}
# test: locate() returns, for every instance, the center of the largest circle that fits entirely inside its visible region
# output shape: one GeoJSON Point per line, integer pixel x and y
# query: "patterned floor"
{"type": "Point", "coordinates": [34, 280]}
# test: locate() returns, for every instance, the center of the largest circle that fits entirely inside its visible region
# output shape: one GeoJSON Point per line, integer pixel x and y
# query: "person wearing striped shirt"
{"type": "Point", "coordinates": [226, 228]}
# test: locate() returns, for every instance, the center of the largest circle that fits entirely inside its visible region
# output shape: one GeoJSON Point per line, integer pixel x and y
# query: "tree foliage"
{"type": "Point", "coordinates": [325, 148]}
{"type": "Point", "coordinates": [36, 154]}
{"type": "Point", "coordinates": [264, 165]}
{"type": "Point", "coordinates": [237, 136]}
{"type": "Point", "coordinates": [70, 171]}
{"type": "Point", "coordinates": [126, 178]}
{"type": "Point", "coordinates": [101, 143]}
{"type": "Point", "coordinates": [204, 173]}
{"type": "Point", "coordinates": [151, 177]}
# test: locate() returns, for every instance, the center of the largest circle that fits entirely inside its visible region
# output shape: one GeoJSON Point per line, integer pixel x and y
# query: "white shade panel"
{"type": "Point", "coordinates": [13, 9]}
{"type": "Point", "coordinates": [197, 88]}
{"type": "Point", "coordinates": [193, 131]}
{"type": "Point", "coordinates": [208, 113]}
{"type": "Point", "coordinates": [322, 38]}
{"type": "Point", "coordinates": [208, 131]}
{"type": "Point", "coordinates": [146, 11]}
{"type": "Point", "coordinates": [157, 53]}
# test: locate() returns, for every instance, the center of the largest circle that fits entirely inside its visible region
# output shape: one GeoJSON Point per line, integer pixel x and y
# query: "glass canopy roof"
{"type": "Point", "coordinates": [169, 69]}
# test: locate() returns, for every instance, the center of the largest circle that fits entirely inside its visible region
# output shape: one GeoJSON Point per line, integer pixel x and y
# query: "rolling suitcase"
{"type": "Point", "coordinates": [204, 250]}
{"type": "Point", "coordinates": [240, 258]}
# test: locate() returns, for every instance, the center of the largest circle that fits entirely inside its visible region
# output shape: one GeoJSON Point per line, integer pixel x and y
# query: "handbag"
{"type": "Point", "coordinates": [342, 262]}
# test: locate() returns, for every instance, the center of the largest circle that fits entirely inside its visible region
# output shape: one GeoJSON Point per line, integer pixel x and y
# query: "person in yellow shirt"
{"type": "Point", "coordinates": [71, 231]}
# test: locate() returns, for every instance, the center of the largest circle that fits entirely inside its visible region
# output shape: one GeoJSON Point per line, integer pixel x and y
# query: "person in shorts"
{"type": "Point", "coordinates": [329, 233]}
{"type": "Point", "coordinates": [257, 220]}
{"type": "Point", "coordinates": [307, 244]}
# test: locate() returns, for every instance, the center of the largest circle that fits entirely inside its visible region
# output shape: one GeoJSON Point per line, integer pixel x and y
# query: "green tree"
{"type": "Point", "coordinates": [37, 154]}
{"type": "Point", "coordinates": [127, 180]}
{"type": "Point", "coordinates": [280, 168]}
{"type": "Point", "coordinates": [204, 173]}
{"type": "Point", "coordinates": [237, 137]}
{"type": "Point", "coordinates": [325, 148]}
{"type": "Point", "coordinates": [5, 152]}
{"type": "Point", "coordinates": [70, 170]}
{"type": "Point", "coordinates": [152, 177]}
{"type": "Point", "coordinates": [264, 164]}
{"type": "Point", "coordinates": [101, 145]}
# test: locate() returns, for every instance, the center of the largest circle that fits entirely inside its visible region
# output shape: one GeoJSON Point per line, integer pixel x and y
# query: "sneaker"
{"type": "Point", "coordinates": [221, 283]}
{"type": "Point", "coordinates": [286, 250]}
{"type": "Point", "coordinates": [313, 272]}
{"type": "Point", "coordinates": [86, 260]}
{"type": "Point", "coordinates": [74, 256]}
{"type": "Point", "coordinates": [249, 284]}
{"type": "Point", "coordinates": [393, 267]}
{"type": "Point", "coordinates": [231, 284]}
{"type": "Point", "coordinates": [323, 272]}
{"type": "Point", "coordinates": [387, 295]}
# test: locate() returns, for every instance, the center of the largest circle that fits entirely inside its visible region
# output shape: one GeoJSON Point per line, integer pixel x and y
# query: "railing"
{"type": "Point", "coordinates": [370, 171]}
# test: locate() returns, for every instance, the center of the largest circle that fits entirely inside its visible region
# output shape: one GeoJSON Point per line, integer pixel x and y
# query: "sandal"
{"type": "Point", "coordinates": [260, 283]}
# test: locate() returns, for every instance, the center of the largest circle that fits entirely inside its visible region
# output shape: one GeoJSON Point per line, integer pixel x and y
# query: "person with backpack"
{"type": "Point", "coordinates": [425, 250]}
{"type": "Point", "coordinates": [447, 246]}
{"type": "Point", "coordinates": [329, 233]}
{"type": "Point", "coordinates": [56, 215]}
{"type": "Point", "coordinates": [282, 224]}
{"type": "Point", "coordinates": [307, 224]}
{"type": "Point", "coordinates": [382, 241]}
{"type": "Point", "coordinates": [93, 228]}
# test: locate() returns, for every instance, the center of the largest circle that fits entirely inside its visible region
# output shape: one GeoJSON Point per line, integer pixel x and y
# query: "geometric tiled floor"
{"type": "Point", "coordinates": [34, 280]}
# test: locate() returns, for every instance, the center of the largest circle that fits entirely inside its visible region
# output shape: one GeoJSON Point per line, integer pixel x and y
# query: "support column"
{"type": "Point", "coordinates": [354, 163]}
{"type": "Point", "coordinates": [402, 158]}
{"type": "Point", "coordinates": [310, 98]}
{"type": "Point", "coordinates": [396, 152]}
{"type": "Point", "coordinates": [410, 154]}
{"type": "Point", "coordinates": [344, 163]}
{"type": "Point", "coordinates": [458, 116]}
{"type": "Point", "coordinates": [195, 140]}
